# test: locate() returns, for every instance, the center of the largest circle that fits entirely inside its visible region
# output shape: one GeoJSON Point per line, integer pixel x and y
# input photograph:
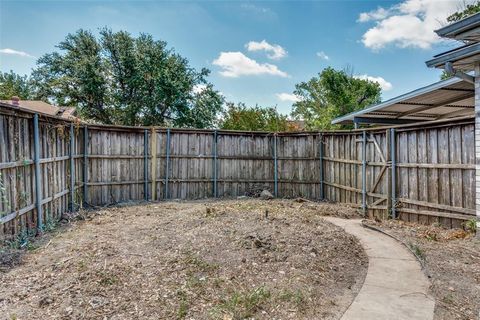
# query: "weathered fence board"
{"type": "Point", "coordinates": [434, 172]}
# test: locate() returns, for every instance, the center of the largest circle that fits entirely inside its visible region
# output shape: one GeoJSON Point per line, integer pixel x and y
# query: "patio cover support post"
{"type": "Point", "coordinates": [145, 164]}
{"type": "Point", "coordinates": [477, 144]}
{"type": "Point", "coordinates": [320, 168]}
{"type": "Point", "coordinates": [215, 139]}
{"type": "Point", "coordinates": [167, 163]}
{"type": "Point", "coordinates": [364, 173]}
{"type": "Point", "coordinates": [85, 166]}
{"type": "Point", "coordinates": [38, 190]}
{"type": "Point", "coordinates": [275, 165]}
{"type": "Point", "coordinates": [72, 168]}
{"type": "Point", "coordinates": [393, 173]}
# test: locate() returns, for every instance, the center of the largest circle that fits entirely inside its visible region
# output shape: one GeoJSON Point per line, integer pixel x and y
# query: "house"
{"type": "Point", "coordinates": [69, 113]}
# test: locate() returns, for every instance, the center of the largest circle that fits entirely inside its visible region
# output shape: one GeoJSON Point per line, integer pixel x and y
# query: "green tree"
{"type": "Point", "coordinates": [119, 79]}
{"type": "Point", "coordinates": [332, 94]}
{"type": "Point", "coordinates": [468, 10]}
{"type": "Point", "coordinates": [12, 84]}
{"type": "Point", "coordinates": [241, 117]}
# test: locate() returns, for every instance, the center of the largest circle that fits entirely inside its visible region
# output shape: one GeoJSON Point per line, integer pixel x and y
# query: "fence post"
{"type": "Point", "coordinates": [275, 165]}
{"type": "Point", "coordinates": [72, 168]}
{"type": "Point", "coordinates": [85, 166]}
{"type": "Point", "coordinates": [215, 138]}
{"type": "Point", "coordinates": [167, 163]}
{"type": "Point", "coordinates": [38, 190]}
{"type": "Point", "coordinates": [364, 173]}
{"type": "Point", "coordinates": [153, 151]}
{"type": "Point", "coordinates": [145, 164]}
{"type": "Point", "coordinates": [394, 173]}
{"type": "Point", "coordinates": [320, 151]}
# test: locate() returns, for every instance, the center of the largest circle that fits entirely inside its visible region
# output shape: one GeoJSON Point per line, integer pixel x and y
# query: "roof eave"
{"type": "Point", "coordinates": [452, 56]}
{"type": "Point", "coordinates": [455, 29]}
{"type": "Point", "coordinates": [348, 118]}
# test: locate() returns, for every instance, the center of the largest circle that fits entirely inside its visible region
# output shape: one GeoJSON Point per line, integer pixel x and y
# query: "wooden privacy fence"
{"type": "Point", "coordinates": [49, 166]}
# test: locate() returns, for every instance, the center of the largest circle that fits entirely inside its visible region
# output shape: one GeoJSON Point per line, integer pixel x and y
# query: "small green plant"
{"type": "Point", "coordinates": [242, 305]}
{"type": "Point", "coordinates": [471, 225]}
{"type": "Point", "coordinates": [183, 306]}
{"type": "Point", "coordinates": [417, 251]}
{"type": "Point", "coordinates": [107, 279]}
{"type": "Point", "coordinates": [296, 297]}
{"type": "Point", "coordinates": [198, 263]}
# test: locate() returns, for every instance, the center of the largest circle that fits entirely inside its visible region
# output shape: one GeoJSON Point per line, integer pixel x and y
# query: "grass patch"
{"type": "Point", "coordinates": [296, 297]}
{"type": "Point", "coordinates": [417, 251]}
{"type": "Point", "coordinates": [244, 304]}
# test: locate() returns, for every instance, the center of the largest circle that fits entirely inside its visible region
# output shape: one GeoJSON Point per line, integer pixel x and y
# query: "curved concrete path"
{"type": "Point", "coordinates": [395, 286]}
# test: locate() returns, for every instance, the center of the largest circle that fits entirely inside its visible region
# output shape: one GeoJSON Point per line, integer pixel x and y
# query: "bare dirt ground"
{"type": "Point", "coordinates": [232, 259]}
{"type": "Point", "coordinates": [452, 261]}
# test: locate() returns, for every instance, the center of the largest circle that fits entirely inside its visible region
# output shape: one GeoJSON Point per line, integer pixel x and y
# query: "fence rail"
{"type": "Point", "coordinates": [49, 166]}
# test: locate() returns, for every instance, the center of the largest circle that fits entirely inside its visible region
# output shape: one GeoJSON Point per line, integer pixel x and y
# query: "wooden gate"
{"type": "Point", "coordinates": [376, 160]}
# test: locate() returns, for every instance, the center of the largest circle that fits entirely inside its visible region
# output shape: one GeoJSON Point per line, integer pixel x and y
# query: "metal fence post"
{"type": "Point", "coordinates": [38, 190]}
{"type": "Point", "coordinates": [85, 166]}
{"type": "Point", "coordinates": [364, 173]}
{"type": "Point", "coordinates": [215, 139]}
{"type": "Point", "coordinates": [145, 164]}
{"type": "Point", "coordinates": [275, 165]}
{"type": "Point", "coordinates": [320, 151]}
{"type": "Point", "coordinates": [167, 163]}
{"type": "Point", "coordinates": [394, 172]}
{"type": "Point", "coordinates": [72, 168]}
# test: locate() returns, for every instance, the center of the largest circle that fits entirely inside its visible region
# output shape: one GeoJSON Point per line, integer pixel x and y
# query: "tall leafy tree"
{"type": "Point", "coordinates": [119, 79]}
{"type": "Point", "coordinates": [331, 94]}
{"type": "Point", "coordinates": [12, 84]}
{"type": "Point", "coordinates": [240, 117]}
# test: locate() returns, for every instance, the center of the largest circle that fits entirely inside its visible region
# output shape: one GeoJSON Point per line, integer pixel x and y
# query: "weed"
{"type": "Point", "coordinates": [245, 304]}
{"type": "Point", "coordinates": [183, 307]}
{"type": "Point", "coordinates": [417, 251]}
{"type": "Point", "coordinates": [107, 279]}
{"type": "Point", "coordinates": [471, 225]}
{"type": "Point", "coordinates": [199, 263]}
{"type": "Point", "coordinates": [296, 297]}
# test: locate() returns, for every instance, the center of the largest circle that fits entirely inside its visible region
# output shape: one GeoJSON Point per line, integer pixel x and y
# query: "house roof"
{"type": "Point", "coordinates": [467, 29]}
{"type": "Point", "coordinates": [441, 100]}
{"type": "Point", "coordinates": [462, 58]}
{"type": "Point", "coordinates": [43, 107]}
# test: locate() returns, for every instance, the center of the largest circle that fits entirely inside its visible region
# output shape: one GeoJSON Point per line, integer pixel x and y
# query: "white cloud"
{"type": "Point", "coordinates": [288, 97]}
{"type": "Point", "coordinates": [384, 84]}
{"type": "Point", "coordinates": [410, 23]}
{"type": "Point", "coordinates": [274, 51]}
{"type": "Point", "coordinates": [378, 14]}
{"type": "Point", "coordinates": [16, 53]}
{"type": "Point", "coordinates": [322, 55]}
{"type": "Point", "coordinates": [236, 64]}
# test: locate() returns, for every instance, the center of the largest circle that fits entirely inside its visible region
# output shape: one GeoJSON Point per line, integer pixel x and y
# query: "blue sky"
{"type": "Point", "coordinates": [257, 51]}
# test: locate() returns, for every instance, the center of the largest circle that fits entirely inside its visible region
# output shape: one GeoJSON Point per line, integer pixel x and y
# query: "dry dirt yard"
{"type": "Point", "coordinates": [232, 259]}
{"type": "Point", "coordinates": [452, 262]}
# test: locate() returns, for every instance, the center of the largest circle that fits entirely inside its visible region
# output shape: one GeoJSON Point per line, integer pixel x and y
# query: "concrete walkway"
{"type": "Point", "coordinates": [395, 286]}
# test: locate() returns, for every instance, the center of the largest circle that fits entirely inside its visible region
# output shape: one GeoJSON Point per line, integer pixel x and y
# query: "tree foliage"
{"type": "Point", "coordinates": [241, 117]}
{"type": "Point", "coordinates": [12, 84]}
{"type": "Point", "coordinates": [119, 79]}
{"type": "Point", "coordinates": [469, 10]}
{"type": "Point", "coordinates": [332, 94]}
